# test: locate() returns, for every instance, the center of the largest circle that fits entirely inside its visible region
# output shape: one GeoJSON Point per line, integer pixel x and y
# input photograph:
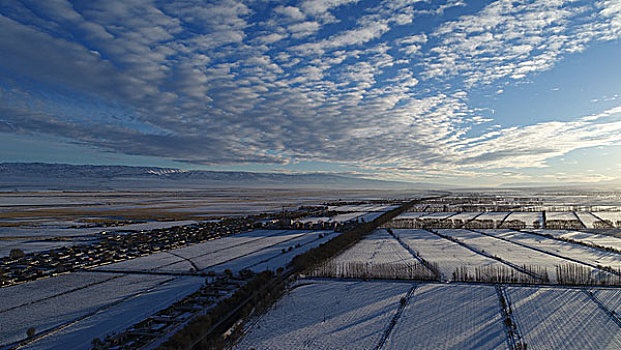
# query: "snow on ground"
{"type": "Point", "coordinates": [437, 215]}
{"type": "Point", "coordinates": [449, 256]}
{"type": "Point", "coordinates": [272, 257]}
{"type": "Point", "coordinates": [493, 215]}
{"type": "Point", "coordinates": [612, 216]}
{"type": "Point", "coordinates": [610, 297]}
{"type": "Point", "coordinates": [371, 216]}
{"type": "Point", "coordinates": [30, 292]}
{"type": "Point", "coordinates": [557, 318]}
{"type": "Point", "coordinates": [587, 219]}
{"type": "Point", "coordinates": [53, 311]}
{"type": "Point", "coordinates": [348, 216]}
{"type": "Point", "coordinates": [33, 246]}
{"type": "Point", "coordinates": [586, 237]}
{"type": "Point", "coordinates": [456, 317]}
{"type": "Point", "coordinates": [175, 259]}
{"type": "Point", "coordinates": [410, 215]}
{"type": "Point", "coordinates": [209, 258]}
{"type": "Point", "coordinates": [282, 259]}
{"type": "Point", "coordinates": [528, 217]}
{"type": "Point", "coordinates": [118, 317]}
{"type": "Point", "coordinates": [560, 215]}
{"type": "Point", "coordinates": [508, 251]}
{"type": "Point", "coordinates": [327, 314]}
{"type": "Point", "coordinates": [378, 247]}
{"type": "Point", "coordinates": [465, 216]}
{"type": "Point", "coordinates": [362, 207]}
{"type": "Point", "coordinates": [575, 251]}
{"type": "Point", "coordinates": [255, 249]}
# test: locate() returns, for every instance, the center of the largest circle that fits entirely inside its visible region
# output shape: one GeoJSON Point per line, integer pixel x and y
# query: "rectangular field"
{"type": "Point", "coordinates": [324, 314]}
{"type": "Point", "coordinates": [79, 307]}
{"type": "Point", "coordinates": [449, 256]}
{"type": "Point", "coordinates": [508, 251]}
{"type": "Point", "coordinates": [574, 251]}
{"type": "Point", "coordinates": [557, 318]}
{"type": "Point", "coordinates": [456, 317]}
{"type": "Point", "coordinates": [235, 252]}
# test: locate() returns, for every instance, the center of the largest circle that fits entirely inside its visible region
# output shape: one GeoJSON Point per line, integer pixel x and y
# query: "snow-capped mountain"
{"type": "Point", "coordinates": [65, 176]}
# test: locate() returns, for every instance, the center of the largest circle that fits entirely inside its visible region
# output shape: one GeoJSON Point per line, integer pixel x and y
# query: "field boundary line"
{"type": "Point", "coordinates": [613, 315]}
{"type": "Point", "coordinates": [395, 318]}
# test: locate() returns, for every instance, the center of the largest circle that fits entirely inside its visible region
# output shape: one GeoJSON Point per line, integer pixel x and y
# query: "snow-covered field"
{"type": "Point", "coordinates": [376, 248]}
{"type": "Point", "coordinates": [586, 237]}
{"type": "Point", "coordinates": [73, 309]}
{"type": "Point", "coordinates": [578, 252]}
{"type": "Point", "coordinates": [344, 217]}
{"type": "Point", "coordinates": [465, 216]}
{"type": "Point", "coordinates": [610, 297]}
{"type": "Point", "coordinates": [531, 219]}
{"type": "Point", "coordinates": [587, 219]}
{"type": "Point", "coordinates": [436, 215]}
{"type": "Point", "coordinates": [327, 314]}
{"type": "Point", "coordinates": [507, 251]}
{"type": "Point", "coordinates": [448, 255]}
{"type": "Point", "coordinates": [362, 207]}
{"type": "Point", "coordinates": [456, 317]}
{"type": "Point", "coordinates": [557, 318]}
{"type": "Point", "coordinates": [254, 250]}
{"type": "Point", "coordinates": [493, 215]}
{"type": "Point", "coordinates": [560, 215]}
{"type": "Point", "coordinates": [612, 216]}
{"type": "Point", "coordinates": [410, 215]}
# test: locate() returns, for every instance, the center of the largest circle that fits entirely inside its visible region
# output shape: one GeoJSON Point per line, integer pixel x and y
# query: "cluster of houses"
{"type": "Point", "coordinates": [111, 248]}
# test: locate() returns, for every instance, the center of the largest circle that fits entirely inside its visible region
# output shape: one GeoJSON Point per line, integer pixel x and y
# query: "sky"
{"type": "Point", "coordinates": [449, 91]}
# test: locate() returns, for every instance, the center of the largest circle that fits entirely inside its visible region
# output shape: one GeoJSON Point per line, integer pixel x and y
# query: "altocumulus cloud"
{"type": "Point", "coordinates": [226, 82]}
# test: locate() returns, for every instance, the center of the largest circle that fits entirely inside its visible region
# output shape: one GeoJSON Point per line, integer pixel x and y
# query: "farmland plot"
{"type": "Point", "coordinates": [378, 255]}
{"type": "Point", "coordinates": [614, 217]}
{"type": "Point", "coordinates": [555, 318]}
{"type": "Point", "coordinates": [324, 314]}
{"type": "Point", "coordinates": [591, 221]}
{"type": "Point", "coordinates": [345, 217]}
{"type": "Point", "coordinates": [31, 292]}
{"type": "Point", "coordinates": [209, 253]}
{"type": "Point", "coordinates": [578, 252]}
{"type": "Point", "coordinates": [560, 215]}
{"type": "Point", "coordinates": [450, 317]}
{"type": "Point", "coordinates": [53, 311]}
{"type": "Point", "coordinates": [449, 256]}
{"type": "Point", "coordinates": [378, 247]}
{"type": "Point", "coordinates": [532, 219]}
{"type": "Point", "coordinates": [118, 317]}
{"type": "Point", "coordinates": [611, 298]}
{"type": "Point", "coordinates": [489, 219]}
{"type": "Point", "coordinates": [239, 256]}
{"type": "Point", "coordinates": [586, 237]}
{"type": "Point", "coordinates": [271, 258]}
{"type": "Point", "coordinates": [438, 215]}
{"type": "Point", "coordinates": [410, 215]}
{"type": "Point", "coordinates": [508, 251]}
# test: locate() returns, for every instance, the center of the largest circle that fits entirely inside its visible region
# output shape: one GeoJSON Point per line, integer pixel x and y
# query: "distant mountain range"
{"type": "Point", "coordinates": [20, 176]}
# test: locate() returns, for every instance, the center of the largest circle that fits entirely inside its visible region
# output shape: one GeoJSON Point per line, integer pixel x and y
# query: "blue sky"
{"type": "Point", "coordinates": [461, 92]}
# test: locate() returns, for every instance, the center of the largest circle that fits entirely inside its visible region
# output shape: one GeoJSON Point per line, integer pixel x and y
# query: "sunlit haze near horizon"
{"type": "Point", "coordinates": [451, 92]}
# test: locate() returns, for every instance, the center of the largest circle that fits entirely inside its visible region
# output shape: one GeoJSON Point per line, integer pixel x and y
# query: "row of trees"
{"type": "Point", "coordinates": [318, 255]}
{"type": "Point", "coordinates": [204, 332]}
{"type": "Point", "coordinates": [574, 274]}
{"type": "Point", "coordinates": [364, 270]}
